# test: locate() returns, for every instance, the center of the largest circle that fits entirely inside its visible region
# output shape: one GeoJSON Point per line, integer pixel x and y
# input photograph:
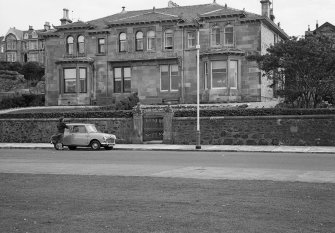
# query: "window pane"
{"type": "Point", "coordinates": [215, 36]}
{"type": "Point", "coordinates": [219, 74]}
{"type": "Point", "coordinates": [117, 86]}
{"type": "Point", "coordinates": [127, 72]}
{"type": "Point", "coordinates": [229, 35]}
{"type": "Point", "coordinates": [233, 74]}
{"type": "Point", "coordinates": [101, 45]}
{"type": "Point", "coordinates": [69, 80]}
{"type": "Point", "coordinates": [127, 85]}
{"type": "Point", "coordinates": [165, 80]}
{"type": "Point", "coordinates": [151, 40]}
{"type": "Point", "coordinates": [82, 80]}
{"type": "Point", "coordinates": [123, 40]}
{"type": "Point", "coordinates": [117, 73]}
{"type": "Point", "coordinates": [174, 77]}
{"type": "Point", "coordinates": [191, 39]}
{"type": "Point", "coordinates": [126, 79]}
{"type": "Point", "coordinates": [168, 39]}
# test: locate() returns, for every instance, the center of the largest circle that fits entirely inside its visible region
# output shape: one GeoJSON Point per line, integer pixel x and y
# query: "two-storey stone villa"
{"type": "Point", "coordinates": [154, 53]}
{"type": "Point", "coordinates": [23, 45]}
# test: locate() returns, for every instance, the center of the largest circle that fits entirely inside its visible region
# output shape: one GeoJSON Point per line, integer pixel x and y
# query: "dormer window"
{"type": "Point", "coordinates": [69, 45]}
{"type": "Point", "coordinates": [139, 41]}
{"type": "Point", "coordinates": [81, 44]}
{"type": "Point", "coordinates": [123, 42]}
{"type": "Point", "coordinates": [215, 36]}
{"type": "Point", "coordinates": [168, 39]}
{"type": "Point", "coordinates": [229, 35]}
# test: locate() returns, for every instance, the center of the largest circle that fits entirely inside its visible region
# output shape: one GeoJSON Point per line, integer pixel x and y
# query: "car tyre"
{"type": "Point", "coordinates": [95, 145]}
{"type": "Point", "coordinates": [72, 147]}
{"type": "Point", "coordinates": [58, 146]}
{"type": "Point", "coordinates": [108, 148]}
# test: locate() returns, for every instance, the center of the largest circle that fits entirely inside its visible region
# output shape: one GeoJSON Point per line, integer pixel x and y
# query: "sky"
{"type": "Point", "coordinates": [294, 15]}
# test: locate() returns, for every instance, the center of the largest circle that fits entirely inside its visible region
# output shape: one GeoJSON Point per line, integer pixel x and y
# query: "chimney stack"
{"type": "Point", "coordinates": [317, 24]}
{"type": "Point", "coordinates": [31, 28]}
{"type": "Point", "coordinates": [266, 8]}
{"type": "Point", "coordinates": [47, 26]}
{"type": "Point", "coordinates": [65, 19]}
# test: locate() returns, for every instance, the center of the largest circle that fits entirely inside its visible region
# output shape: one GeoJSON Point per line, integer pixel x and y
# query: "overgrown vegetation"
{"type": "Point", "coordinates": [25, 100]}
{"type": "Point", "coordinates": [33, 71]}
{"type": "Point", "coordinates": [302, 70]}
{"type": "Point", "coordinates": [69, 114]}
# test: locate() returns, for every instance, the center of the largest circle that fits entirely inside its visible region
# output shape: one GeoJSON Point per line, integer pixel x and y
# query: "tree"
{"type": "Point", "coordinates": [33, 72]}
{"type": "Point", "coordinates": [303, 68]}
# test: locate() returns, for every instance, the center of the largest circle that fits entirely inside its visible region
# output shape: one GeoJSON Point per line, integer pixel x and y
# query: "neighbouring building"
{"type": "Point", "coordinates": [23, 46]}
{"type": "Point", "coordinates": [326, 29]}
{"type": "Point", "coordinates": [154, 53]}
{"type": "Point", "coordinates": [2, 49]}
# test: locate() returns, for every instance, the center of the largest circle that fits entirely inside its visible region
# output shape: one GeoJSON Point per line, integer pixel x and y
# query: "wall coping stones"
{"type": "Point", "coordinates": [257, 117]}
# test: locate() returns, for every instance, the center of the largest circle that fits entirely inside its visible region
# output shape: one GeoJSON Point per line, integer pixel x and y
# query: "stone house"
{"type": "Point", "coordinates": [326, 29]}
{"type": "Point", "coordinates": [154, 53]}
{"type": "Point", "coordinates": [23, 46]}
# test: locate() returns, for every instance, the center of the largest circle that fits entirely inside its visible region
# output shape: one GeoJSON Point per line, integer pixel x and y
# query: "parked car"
{"type": "Point", "coordinates": [86, 135]}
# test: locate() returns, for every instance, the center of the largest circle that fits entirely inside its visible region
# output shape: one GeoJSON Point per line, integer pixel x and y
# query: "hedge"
{"type": "Point", "coordinates": [253, 112]}
{"type": "Point", "coordinates": [82, 114]}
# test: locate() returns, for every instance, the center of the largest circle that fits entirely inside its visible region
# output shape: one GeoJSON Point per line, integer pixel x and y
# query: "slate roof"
{"type": "Point", "coordinates": [75, 25]}
{"type": "Point", "coordinates": [325, 25]}
{"type": "Point", "coordinates": [181, 14]}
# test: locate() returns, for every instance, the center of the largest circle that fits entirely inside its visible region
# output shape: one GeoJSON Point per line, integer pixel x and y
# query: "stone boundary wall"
{"type": "Point", "coordinates": [311, 130]}
{"type": "Point", "coordinates": [40, 130]}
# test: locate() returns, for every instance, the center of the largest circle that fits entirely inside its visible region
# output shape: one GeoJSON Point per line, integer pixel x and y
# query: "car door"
{"type": "Point", "coordinates": [79, 135]}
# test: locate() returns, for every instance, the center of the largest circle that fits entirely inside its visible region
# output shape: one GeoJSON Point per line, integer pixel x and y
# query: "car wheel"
{"type": "Point", "coordinates": [72, 147]}
{"type": "Point", "coordinates": [95, 145]}
{"type": "Point", "coordinates": [108, 148]}
{"type": "Point", "coordinates": [58, 146]}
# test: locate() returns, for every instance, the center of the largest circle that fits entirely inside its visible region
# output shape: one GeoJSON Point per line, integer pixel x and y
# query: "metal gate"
{"type": "Point", "coordinates": [152, 128]}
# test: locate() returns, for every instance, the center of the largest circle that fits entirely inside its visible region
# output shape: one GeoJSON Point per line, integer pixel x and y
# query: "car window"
{"type": "Point", "coordinates": [78, 129]}
{"type": "Point", "coordinates": [91, 129]}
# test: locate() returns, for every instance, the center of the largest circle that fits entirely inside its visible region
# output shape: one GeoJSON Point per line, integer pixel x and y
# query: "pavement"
{"type": "Point", "coordinates": [204, 148]}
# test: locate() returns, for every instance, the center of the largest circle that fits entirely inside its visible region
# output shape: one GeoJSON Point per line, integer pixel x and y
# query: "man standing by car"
{"type": "Point", "coordinates": [61, 126]}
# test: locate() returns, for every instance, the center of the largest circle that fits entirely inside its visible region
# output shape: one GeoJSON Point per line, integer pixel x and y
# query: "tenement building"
{"type": "Point", "coordinates": [23, 46]}
{"type": "Point", "coordinates": [154, 53]}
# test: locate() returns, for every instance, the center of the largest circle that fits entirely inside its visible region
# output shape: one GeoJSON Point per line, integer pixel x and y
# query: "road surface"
{"type": "Point", "coordinates": [318, 168]}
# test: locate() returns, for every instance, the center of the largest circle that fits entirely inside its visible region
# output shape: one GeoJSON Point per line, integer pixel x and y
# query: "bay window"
{"type": "Point", "coordinates": [74, 76]}
{"type": "Point", "coordinates": [82, 80]}
{"type": "Point", "coordinates": [224, 74]}
{"type": "Point", "coordinates": [70, 80]}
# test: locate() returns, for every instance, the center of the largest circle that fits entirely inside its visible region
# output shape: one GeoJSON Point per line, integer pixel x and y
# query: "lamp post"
{"type": "Point", "coordinates": [198, 146]}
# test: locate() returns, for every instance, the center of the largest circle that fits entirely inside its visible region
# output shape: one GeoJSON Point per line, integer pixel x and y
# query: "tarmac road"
{"type": "Point", "coordinates": [304, 167]}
